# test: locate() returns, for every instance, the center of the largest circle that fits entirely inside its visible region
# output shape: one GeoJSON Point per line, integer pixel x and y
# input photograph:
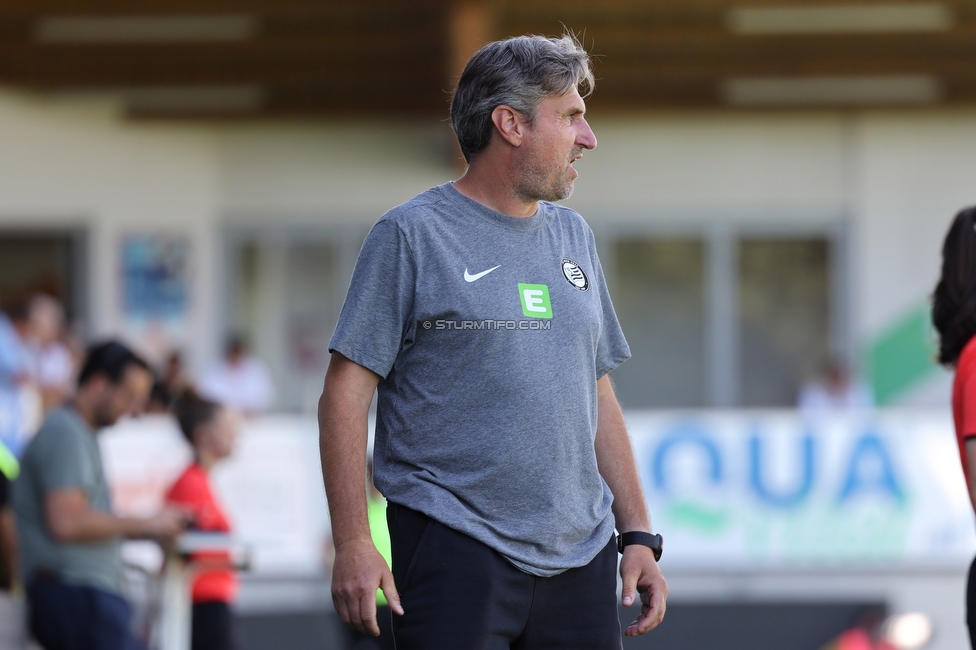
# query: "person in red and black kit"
{"type": "Point", "coordinates": [954, 317]}
{"type": "Point", "coordinates": [212, 430]}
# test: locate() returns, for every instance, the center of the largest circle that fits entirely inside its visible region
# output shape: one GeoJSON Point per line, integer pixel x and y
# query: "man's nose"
{"type": "Point", "coordinates": [585, 138]}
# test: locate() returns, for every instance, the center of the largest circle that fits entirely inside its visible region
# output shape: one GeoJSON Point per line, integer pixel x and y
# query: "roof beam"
{"type": "Point", "coordinates": [420, 56]}
{"type": "Point", "coordinates": [471, 24]}
{"type": "Point", "coordinates": [264, 61]}
{"type": "Point", "coordinates": [14, 8]}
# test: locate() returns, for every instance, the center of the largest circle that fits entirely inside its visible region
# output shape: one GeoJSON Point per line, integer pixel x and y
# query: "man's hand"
{"type": "Point", "coordinates": [166, 525]}
{"type": "Point", "coordinates": [71, 519]}
{"type": "Point", "coordinates": [642, 575]}
{"type": "Point", "coordinates": [360, 570]}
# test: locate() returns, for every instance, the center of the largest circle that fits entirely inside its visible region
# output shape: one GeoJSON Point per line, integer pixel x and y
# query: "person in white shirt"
{"type": "Point", "coordinates": [240, 381]}
{"type": "Point", "coordinates": [52, 366]}
{"type": "Point", "coordinates": [838, 391]}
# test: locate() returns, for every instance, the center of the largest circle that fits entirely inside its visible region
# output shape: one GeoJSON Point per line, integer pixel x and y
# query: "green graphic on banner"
{"type": "Point", "coordinates": [698, 517]}
{"type": "Point", "coordinates": [902, 355]}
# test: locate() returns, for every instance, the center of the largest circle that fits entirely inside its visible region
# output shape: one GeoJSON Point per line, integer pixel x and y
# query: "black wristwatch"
{"type": "Point", "coordinates": [653, 542]}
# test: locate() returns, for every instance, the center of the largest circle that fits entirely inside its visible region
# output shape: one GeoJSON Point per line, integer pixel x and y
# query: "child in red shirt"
{"type": "Point", "coordinates": [211, 429]}
{"type": "Point", "coordinates": [954, 316]}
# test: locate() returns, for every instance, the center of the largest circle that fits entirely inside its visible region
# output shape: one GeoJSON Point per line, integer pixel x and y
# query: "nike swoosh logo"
{"type": "Point", "coordinates": [471, 278]}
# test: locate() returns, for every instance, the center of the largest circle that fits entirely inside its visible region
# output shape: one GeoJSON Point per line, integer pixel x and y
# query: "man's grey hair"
{"type": "Point", "coordinates": [518, 72]}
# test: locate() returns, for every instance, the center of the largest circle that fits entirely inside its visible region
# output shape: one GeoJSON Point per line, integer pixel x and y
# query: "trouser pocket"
{"type": "Point", "coordinates": [409, 530]}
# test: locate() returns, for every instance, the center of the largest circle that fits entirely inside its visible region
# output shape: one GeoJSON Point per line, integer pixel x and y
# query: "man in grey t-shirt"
{"type": "Point", "coordinates": [479, 312]}
{"type": "Point", "coordinates": [68, 536]}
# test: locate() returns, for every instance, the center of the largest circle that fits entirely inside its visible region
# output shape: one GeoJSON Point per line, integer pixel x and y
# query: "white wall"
{"type": "Point", "coordinates": [915, 172]}
{"type": "Point", "coordinates": [337, 172]}
{"type": "Point", "coordinates": [705, 167]}
{"type": "Point", "coordinates": [78, 165]}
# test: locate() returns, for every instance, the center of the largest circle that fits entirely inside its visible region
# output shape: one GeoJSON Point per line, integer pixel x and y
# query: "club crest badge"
{"type": "Point", "coordinates": [575, 275]}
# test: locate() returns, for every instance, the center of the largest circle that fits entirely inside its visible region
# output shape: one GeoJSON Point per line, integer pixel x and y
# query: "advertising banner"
{"type": "Point", "coordinates": [768, 489]}
{"type": "Point", "coordinates": [729, 490]}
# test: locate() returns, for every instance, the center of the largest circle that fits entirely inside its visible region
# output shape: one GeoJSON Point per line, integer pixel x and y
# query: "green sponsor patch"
{"type": "Point", "coordinates": [535, 300]}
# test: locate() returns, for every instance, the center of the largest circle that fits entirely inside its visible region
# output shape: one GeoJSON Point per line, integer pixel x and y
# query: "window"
{"type": "Point", "coordinates": [285, 300]}
{"type": "Point", "coordinates": [659, 297]}
{"type": "Point", "coordinates": [43, 262]}
{"type": "Point", "coordinates": [783, 318]}
{"type": "Point", "coordinates": [723, 318]}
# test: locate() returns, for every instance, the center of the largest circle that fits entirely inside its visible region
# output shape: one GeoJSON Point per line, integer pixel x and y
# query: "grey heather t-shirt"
{"type": "Point", "coordinates": [489, 333]}
{"type": "Point", "coordinates": [64, 455]}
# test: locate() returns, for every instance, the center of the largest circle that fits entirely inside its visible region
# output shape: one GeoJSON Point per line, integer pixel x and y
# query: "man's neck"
{"type": "Point", "coordinates": [480, 183]}
{"type": "Point", "coordinates": [204, 459]}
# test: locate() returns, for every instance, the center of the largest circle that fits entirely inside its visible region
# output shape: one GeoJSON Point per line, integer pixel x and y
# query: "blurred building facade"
{"type": "Point", "coordinates": [744, 250]}
{"type": "Point", "coordinates": [770, 189]}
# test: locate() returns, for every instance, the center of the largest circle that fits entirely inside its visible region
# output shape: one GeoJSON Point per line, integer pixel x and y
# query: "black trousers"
{"type": "Point", "coordinates": [213, 627]}
{"type": "Point", "coordinates": [971, 604]}
{"type": "Point", "coordinates": [458, 593]}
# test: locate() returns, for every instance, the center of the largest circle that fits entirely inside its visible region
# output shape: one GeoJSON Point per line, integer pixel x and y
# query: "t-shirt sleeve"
{"type": "Point", "coordinates": [612, 348]}
{"type": "Point", "coordinates": [379, 304]}
{"type": "Point", "coordinates": [969, 406]}
{"type": "Point", "coordinates": [64, 462]}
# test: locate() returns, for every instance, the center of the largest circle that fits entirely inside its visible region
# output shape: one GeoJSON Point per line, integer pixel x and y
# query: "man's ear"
{"type": "Point", "coordinates": [509, 124]}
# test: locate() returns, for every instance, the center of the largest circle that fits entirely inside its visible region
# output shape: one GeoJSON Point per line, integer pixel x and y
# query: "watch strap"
{"type": "Point", "coordinates": [650, 540]}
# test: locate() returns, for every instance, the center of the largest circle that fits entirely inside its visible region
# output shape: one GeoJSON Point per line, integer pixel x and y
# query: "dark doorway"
{"type": "Point", "coordinates": [48, 261]}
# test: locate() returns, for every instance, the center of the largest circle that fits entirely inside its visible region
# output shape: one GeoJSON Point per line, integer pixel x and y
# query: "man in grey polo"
{"type": "Point", "coordinates": [480, 313]}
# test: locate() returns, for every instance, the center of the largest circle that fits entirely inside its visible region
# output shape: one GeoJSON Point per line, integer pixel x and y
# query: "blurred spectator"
{"type": "Point", "coordinates": [211, 430]}
{"type": "Point", "coordinates": [68, 537]}
{"type": "Point", "coordinates": [954, 317]}
{"type": "Point", "coordinates": [11, 607]}
{"type": "Point", "coordinates": [837, 391]}
{"type": "Point", "coordinates": [15, 380]}
{"type": "Point", "coordinates": [239, 381]}
{"type": "Point", "coordinates": [171, 384]}
{"type": "Point", "coordinates": [173, 375]}
{"type": "Point", "coordinates": [52, 365]}
{"type": "Point", "coordinates": [160, 401]}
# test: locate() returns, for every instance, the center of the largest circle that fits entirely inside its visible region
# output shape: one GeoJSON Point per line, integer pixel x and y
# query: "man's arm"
{"type": "Point", "coordinates": [615, 457]}
{"type": "Point", "coordinates": [359, 569]}
{"type": "Point", "coordinates": [70, 518]}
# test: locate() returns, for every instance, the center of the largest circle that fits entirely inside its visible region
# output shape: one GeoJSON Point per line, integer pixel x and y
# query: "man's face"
{"type": "Point", "coordinates": [553, 141]}
{"type": "Point", "coordinates": [128, 397]}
